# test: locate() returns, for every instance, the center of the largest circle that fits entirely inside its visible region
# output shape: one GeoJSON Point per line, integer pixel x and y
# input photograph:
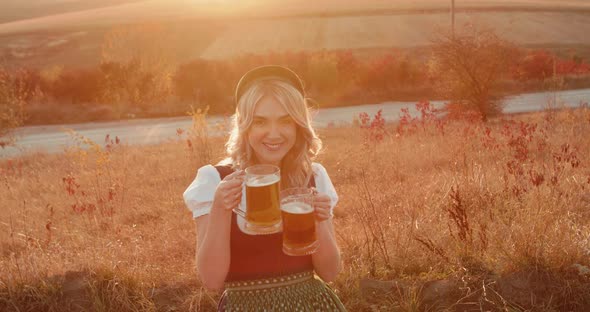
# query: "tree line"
{"type": "Point", "coordinates": [469, 68]}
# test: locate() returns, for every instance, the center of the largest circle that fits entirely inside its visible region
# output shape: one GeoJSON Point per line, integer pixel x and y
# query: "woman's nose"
{"type": "Point", "coordinates": [273, 131]}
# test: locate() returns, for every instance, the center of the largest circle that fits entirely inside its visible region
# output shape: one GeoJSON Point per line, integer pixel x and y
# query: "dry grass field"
{"type": "Point", "coordinates": [82, 47]}
{"type": "Point", "coordinates": [222, 29]}
{"type": "Point", "coordinates": [459, 215]}
{"type": "Point", "coordinates": [14, 10]}
{"type": "Point", "coordinates": [398, 31]}
{"type": "Point", "coordinates": [121, 12]}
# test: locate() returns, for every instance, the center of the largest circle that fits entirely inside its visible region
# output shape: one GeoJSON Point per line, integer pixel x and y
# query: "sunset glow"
{"type": "Point", "coordinates": [438, 153]}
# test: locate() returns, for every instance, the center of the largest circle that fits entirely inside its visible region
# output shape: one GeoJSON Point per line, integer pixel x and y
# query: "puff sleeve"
{"type": "Point", "coordinates": [199, 195]}
{"type": "Point", "coordinates": [324, 184]}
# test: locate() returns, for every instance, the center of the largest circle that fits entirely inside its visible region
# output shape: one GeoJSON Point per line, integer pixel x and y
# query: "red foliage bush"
{"type": "Point", "coordinates": [374, 130]}
{"type": "Point", "coordinates": [75, 86]}
{"type": "Point", "coordinates": [332, 78]}
{"type": "Point", "coordinates": [541, 64]}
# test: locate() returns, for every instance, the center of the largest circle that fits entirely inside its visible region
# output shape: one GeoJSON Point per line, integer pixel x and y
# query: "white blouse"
{"type": "Point", "coordinates": [199, 195]}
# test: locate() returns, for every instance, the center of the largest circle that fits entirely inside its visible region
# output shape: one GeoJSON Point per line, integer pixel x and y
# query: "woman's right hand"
{"type": "Point", "coordinates": [229, 191]}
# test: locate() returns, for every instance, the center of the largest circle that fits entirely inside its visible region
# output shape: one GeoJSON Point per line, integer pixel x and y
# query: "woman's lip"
{"type": "Point", "coordinates": [272, 147]}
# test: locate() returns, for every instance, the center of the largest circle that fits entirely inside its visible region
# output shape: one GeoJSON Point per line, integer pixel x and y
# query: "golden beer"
{"type": "Point", "coordinates": [299, 228]}
{"type": "Point", "coordinates": [299, 237]}
{"type": "Point", "coordinates": [262, 201]}
{"type": "Point", "coordinates": [263, 211]}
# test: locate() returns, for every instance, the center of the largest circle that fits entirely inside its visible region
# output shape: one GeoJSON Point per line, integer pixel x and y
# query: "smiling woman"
{"type": "Point", "coordinates": [272, 128]}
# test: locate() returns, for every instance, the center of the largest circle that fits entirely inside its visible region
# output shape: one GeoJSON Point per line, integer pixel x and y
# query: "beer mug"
{"type": "Point", "coordinates": [299, 233]}
{"type": "Point", "coordinates": [263, 212]}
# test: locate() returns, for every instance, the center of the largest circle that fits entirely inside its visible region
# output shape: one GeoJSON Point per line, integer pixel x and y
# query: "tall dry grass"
{"type": "Point", "coordinates": [498, 212]}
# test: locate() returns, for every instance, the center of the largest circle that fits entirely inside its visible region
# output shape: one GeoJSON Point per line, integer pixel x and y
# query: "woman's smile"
{"type": "Point", "coordinates": [273, 147]}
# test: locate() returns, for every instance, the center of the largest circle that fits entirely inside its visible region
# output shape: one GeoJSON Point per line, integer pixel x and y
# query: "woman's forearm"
{"type": "Point", "coordinates": [326, 260]}
{"type": "Point", "coordinates": [213, 256]}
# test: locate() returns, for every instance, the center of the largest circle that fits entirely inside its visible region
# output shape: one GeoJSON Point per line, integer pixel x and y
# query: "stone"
{"type": "Point", "coordinates": [581, 269]}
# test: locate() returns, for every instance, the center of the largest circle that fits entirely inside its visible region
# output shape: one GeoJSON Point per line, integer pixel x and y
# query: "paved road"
{"type": "Point", "coordinates": [54, 139]}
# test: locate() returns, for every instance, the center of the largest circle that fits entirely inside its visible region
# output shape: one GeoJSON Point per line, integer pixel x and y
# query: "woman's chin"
{"type": "Point", "coordinates": [272, 159]}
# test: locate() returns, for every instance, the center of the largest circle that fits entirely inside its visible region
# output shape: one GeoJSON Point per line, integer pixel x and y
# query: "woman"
{"type": "Point", "coordinates": [271, 126]}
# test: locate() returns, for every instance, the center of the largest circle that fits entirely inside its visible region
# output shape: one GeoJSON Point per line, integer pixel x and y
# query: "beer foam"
{"type": "Point", "coordinates": [297, 208]}
{"type": "Point", "coordinates": [263, 181]}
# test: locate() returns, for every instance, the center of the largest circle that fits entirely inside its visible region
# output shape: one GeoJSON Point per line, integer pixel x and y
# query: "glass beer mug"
{"type": "Point", "coordinates": [299, 232]}
{"type": "Point", "coordinates": [263, 213]}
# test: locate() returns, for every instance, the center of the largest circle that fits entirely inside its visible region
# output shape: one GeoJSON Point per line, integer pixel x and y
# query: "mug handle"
{"type": "Point", "coordinates": [239, 212]}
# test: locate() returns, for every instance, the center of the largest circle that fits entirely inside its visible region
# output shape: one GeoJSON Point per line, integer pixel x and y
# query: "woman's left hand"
{"type": "Point", "coordinates": [321, 204]}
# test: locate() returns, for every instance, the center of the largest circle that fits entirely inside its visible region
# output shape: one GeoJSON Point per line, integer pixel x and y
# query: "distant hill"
{"type": "Point", "coordinates": [66, 14]}
{"type": "Point", "coordinates": [14, 10]}
{"type": "Point", "coordinates": [71, 32]}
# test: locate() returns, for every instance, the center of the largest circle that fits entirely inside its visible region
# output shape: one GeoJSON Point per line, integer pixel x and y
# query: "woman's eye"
{"type": "Point", "coordinates": [258, 122]}
{"type": "Point", "coordinates": [287, 121]}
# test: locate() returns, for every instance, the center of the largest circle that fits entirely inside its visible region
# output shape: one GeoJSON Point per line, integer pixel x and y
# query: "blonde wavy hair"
{"type": "Point", "coordinates": [296, 165]}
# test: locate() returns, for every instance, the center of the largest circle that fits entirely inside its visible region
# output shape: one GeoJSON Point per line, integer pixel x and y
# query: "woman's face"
{"type": "Point", "coordinates": [272, 132]}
